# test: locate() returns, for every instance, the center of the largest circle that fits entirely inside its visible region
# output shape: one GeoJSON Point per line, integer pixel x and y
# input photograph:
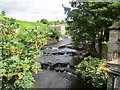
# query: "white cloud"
{"type": "Point", "coordinates": [33, 10]}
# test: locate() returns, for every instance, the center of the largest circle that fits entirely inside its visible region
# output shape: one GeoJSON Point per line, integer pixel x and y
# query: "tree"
{"type": "Point", "coordinates": [38, 21]}
{"type": "Point", "coordinates": [3, 13]}
{"type": "Point", "coordinates": [90, 21]}
{"type": "Point", "coordinates": [44, 21]}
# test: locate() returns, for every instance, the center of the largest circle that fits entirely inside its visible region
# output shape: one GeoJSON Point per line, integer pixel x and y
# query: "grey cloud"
{"type": "Point", "coordinates": [27, 8]}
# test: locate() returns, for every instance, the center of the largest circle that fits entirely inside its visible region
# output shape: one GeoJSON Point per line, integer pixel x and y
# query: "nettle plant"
{"type": "Point", "coordinates": [91, 69]}
{"type": "Point", "coordinates": [20, 52]}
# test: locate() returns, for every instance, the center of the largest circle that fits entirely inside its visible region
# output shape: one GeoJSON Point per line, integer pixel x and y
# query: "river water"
{"type": "Point", "coordinates": [58, 63]}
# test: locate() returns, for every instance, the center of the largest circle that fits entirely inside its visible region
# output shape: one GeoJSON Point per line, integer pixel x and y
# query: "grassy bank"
{"type": "Point", "coordinates": [43, 28]}
{"type": "Point", "coordinates": [27, 25]}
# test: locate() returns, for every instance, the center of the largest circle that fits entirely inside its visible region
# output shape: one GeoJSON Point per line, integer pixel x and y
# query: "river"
{"type": "Point", "coordinates": [58, 63]}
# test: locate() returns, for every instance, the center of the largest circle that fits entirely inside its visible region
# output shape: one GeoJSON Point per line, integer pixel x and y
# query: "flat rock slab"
{"type": "Point", "coordinates": [64, 42]}
{"type": "Point", "coordinates": [54, 59]}
{"type": "Point", "coordinates": [51, 79]}
{"type": "Point", "coordinates": [60, 51]}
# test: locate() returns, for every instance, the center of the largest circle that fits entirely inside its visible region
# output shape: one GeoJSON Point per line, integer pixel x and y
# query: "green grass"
{"type": "Point", "coordinates": [1, 17]}
{"type": "Point", "coordinates": [27, 25]}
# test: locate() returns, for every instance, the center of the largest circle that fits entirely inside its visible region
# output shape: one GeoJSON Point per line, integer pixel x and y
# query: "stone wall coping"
{"type": "Point", "coordinates": [113, 29]}
{"type": "Point", "coordinates": [115, 26]}
{"type": "Point", "coordinates": [59, 25]}
{"type": "Point", "coordinates": [114, 62]}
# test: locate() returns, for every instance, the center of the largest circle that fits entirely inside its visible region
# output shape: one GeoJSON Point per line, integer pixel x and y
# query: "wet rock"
{"type": "Point", "coordinates": [58, 61]}
{"type": "Point", "coordinates": [60, 65]}
{"type": "Point", "coordinates": [58, 53]}
{"type": "Point", "coordinates": [61, 47]}
{"type": "Point", "coordinates": [60, 69]}
{"type": "Point", "coordinates": [60, 39]}
{"type": "Point", "coordinates": [69, 46]}
{"type": "Point", "coordinates": [44, 65]}
{"type": "Point", "coordinates": [54, 47]}
{"type": "Point", "coordinates": [51, 79]}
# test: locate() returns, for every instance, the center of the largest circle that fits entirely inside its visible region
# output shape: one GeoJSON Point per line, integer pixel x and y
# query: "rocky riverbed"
{"type": "Point", "coordinates": [58, 63]}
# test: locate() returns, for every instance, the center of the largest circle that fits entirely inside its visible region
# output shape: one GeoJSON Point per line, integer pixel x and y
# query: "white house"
{"type": "Point", "coordinates": [61, 27]}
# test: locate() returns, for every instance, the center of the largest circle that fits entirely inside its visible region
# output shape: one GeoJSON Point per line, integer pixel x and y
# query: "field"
{"type": "Point", "coordinates": [28, 25]}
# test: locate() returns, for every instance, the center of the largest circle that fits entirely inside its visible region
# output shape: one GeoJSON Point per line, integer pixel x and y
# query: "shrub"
{"type": "Point", "coordinates": [53, 32]}
{"type": "Point", "coordinates": [20, 51]}
{"type": "Point", "coordinates": [89, 69]}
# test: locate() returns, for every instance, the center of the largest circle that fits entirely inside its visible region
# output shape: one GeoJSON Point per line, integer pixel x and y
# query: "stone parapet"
{"type": "Point", "coordinates": [116, 83]}
{"type": "Point", "coordinates": [114, 57]}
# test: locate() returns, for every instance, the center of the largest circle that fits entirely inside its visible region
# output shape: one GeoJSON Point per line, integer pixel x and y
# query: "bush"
{"type": "Point", "coordinates": [53, 32]}
{"type": "Point", "coordinates": [20, 51]}
{"type": "Point", "coordinates": [89, 69]}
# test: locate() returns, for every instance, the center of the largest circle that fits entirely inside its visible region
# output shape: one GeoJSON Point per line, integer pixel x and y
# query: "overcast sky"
{"type": "Point", "coordinates": [33, 10]}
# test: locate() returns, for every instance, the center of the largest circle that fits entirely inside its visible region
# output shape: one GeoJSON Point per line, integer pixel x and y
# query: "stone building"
{"type": "Point", "coordinates": [114, 57]}
{"type": "Point", "coordinates": [61, 27]}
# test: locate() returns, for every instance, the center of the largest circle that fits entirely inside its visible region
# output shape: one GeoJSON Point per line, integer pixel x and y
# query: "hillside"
{"type": "Point", "coordinates": [43, 28]}
{"type": "Point", "coordinates": [27, 25]}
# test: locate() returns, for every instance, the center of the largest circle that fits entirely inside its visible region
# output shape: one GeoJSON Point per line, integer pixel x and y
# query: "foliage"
{"type": "Point", "coordinates": [53, 32]}
{"type": "Point", "coordinates": [28, 25]}
{"type": "Point", "coordinates": [20, 52]}
{"type": "Point", "coordinates": [56, 22]}
{"type": "Point", "coordinates": [43, 28]}
{"type": "Point", "coordinates": [90, 21]}
{"type": "Point", "coordinates": [89, 69]}
{"type": "Point", "coordinates": [23, 25]}
{"type": "Point", "coordinates": [2, 13]}
{"type": "Point", "coordinates": [44, 21]}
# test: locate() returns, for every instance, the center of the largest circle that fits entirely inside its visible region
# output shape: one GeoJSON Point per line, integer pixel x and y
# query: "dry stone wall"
{"type": "Point", "coordinates": [114, 56]}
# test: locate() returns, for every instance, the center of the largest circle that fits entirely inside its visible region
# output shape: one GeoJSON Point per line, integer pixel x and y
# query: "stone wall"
{"type": "Point", "coordinates": [113, 45]}
{"type": "Point", "coordinates": [114, 56]}
{"type": "Point", "coordinates": [116, 67]}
